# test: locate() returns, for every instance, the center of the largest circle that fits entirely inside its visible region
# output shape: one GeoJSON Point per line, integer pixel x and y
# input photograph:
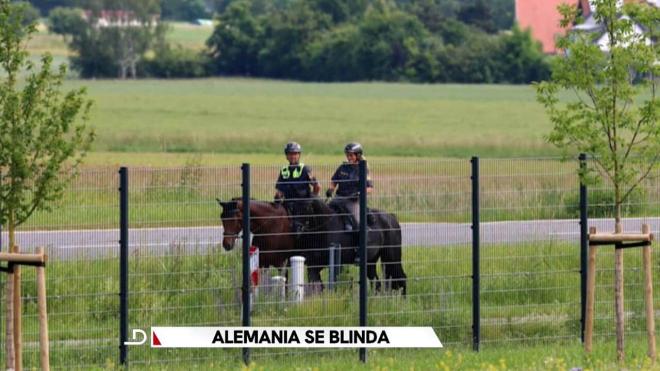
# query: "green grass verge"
{"type": "Point", "coordinates": [549, 357]}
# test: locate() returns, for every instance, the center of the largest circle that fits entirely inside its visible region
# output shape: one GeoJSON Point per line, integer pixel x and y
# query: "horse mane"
{"type": "Point", "coordinates": [229, 208]}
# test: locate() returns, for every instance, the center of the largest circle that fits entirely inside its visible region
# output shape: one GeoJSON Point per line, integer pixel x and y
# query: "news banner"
{"type": "Point", "coordinates": [289, 337]}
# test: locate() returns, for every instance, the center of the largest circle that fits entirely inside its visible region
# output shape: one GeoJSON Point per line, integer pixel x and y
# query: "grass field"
{"type": "Point", "coordinates": [239, 116]}
{"type": "Point", "coordinates": [257, 117]}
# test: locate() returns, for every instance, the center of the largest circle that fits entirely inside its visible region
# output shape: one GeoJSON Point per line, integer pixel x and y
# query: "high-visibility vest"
{"type": "Point", "coordinates": [297, 172]}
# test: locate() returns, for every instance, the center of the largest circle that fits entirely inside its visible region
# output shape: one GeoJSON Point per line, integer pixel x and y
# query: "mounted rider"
{"type": "Point", "coordinates": [295, 187]}
{"type": "Point", "coordinates": [345, 182]}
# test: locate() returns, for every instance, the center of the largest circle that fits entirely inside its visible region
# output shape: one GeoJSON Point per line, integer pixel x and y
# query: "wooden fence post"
{"type": "Point", "coordinates": [648, 295]}
{"type": "Point", "coordinates": [43, 315]}
{"type": "Point", "coordinates": [18, 331]}
{"type": "Point", "coordinates": [591, 295]}
{"type": "Point", "coordinates": [618, 298]}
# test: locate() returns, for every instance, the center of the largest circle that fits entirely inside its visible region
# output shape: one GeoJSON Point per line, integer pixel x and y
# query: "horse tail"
{"type": "Point", "coordinates": [391, 255]}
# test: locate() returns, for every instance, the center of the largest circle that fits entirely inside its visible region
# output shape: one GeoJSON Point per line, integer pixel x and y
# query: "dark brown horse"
{"type": "Point", "coordinates": [269, 225]}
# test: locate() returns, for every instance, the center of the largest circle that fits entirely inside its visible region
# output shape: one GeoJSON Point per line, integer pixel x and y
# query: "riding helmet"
{"type": "Point", "coordinates": [292, 147]}
{"type": "Point", "coordinates": [353, 148]}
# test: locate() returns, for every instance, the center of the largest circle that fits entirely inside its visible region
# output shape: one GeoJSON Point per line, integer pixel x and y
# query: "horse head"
{"type": "Point", "coordinates": [232, 221]}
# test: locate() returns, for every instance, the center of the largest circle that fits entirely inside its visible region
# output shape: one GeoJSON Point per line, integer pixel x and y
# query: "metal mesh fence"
{"type": "Point", "coordinates": [642, 206]}
{"type": "Point", "coordinates": [432, 201]}
{"type": "Point", "coordinates": [82, 276]}
{"type": "Point", "coordinates": [180, 274]}
{"type": "Point", "coordinates": [321, 302]}
{"type": "Point", "coordinates": [530, 251]}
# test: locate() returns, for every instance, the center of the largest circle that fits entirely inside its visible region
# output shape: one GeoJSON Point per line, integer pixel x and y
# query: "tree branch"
{"type": "Point", "coordinates": [644, 176]}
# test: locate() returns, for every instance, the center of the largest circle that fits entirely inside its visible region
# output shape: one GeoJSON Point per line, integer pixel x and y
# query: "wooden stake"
{"type": "Point", "coordinates": [648, 297]}
{"type": "Point", "coordinates": [9, 322]}
{"type": "Point", "coordinates": [23, 258]}
{"type": "Point", "coordinates": [618, 300]}
{"type": "Point", "coordinates": [43, 315]}
{"type": "Point", "coordinates": [18, 350]}
{"type": "Point", "coordinates": [591, 295]}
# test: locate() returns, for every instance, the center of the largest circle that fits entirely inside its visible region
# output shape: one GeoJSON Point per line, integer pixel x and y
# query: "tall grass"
{"type": "Point", "coordinates": [530, 292]}
{"type": "Point", "coordinates": [423, 190]}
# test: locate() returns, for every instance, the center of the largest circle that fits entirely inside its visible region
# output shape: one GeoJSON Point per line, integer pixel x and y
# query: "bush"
{"type": "Point", "coordinates": [176, 62]}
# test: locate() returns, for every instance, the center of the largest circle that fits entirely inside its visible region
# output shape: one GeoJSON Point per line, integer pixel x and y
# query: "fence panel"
{"type": "Point", "coordinates": [323, 303]}
{"type": "Point", "coordinates": [179, 273]}
{"type": "Point", "coordinates": [643, 206]}
{"type": "Point", "coordinates": [530, 251]}
{"type": "Point", "coordinates": [432, 201]}
{"type": "Point", "coordinates": [82, 275]}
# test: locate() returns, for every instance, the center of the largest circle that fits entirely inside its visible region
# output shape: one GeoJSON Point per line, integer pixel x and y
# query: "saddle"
{"type": "Point", "coordinates": [298, 222]}
{"type": "Point", "coordinates": [350, 224]}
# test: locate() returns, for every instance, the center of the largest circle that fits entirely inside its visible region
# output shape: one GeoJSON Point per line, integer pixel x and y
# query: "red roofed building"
{"type": "Point", "coordinates": [542, 18]}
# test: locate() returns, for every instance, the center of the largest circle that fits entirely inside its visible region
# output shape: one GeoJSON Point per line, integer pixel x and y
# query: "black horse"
{"type": "Point", "coordinates": [326, 227]}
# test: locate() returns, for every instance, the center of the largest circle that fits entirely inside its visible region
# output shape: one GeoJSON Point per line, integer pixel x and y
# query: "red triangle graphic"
{"type": "Point", "coordinates": [154, 340]}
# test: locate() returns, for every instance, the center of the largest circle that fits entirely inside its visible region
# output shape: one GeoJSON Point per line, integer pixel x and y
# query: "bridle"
{"type": "Point", "coordinates": [240, 232]}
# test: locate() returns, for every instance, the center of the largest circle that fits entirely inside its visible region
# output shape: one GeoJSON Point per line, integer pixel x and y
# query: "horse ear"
{"type": "Point", "coordinates": [222, 204]}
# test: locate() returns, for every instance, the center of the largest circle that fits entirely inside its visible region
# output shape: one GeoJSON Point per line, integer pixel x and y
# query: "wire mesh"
{"type": "Point", "coordinates": [82, 276]}
{"type": "Point", "coordinates": [432, 201]}
{"type": "Point", "coordinates": [641, 207]}
{"type": "Point", "coordinates": [181, 275]}
{"type": "Point", "coordinates": [275, 234]}
{"type": "Point", "coordinates": [530, 251]}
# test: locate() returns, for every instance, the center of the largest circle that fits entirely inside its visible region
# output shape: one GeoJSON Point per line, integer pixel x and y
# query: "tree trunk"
{"type": "Point", "coordinates": [133, 69]}
{"type": "Point", "coordinates": [9, 292]}
{"type": "Point", "coordinates": [618, 281]}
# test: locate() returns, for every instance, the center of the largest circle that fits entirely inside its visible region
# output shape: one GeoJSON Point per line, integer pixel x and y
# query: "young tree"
{"type": "Point", "coordinates": [613, 113]}
{"type": "Point", "coordinates": [43, 134]}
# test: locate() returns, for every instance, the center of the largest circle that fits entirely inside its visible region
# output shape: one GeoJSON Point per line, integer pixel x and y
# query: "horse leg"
{"type": "Point", "coordinates": [315, 280]}
{"type": "Point", "coordinates": [391, 253]}
{"type": "Point", "coordinates": [372, 275]}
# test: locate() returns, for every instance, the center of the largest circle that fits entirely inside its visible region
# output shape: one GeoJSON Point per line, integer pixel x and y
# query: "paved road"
{"type": "Point", "coordinates": [97, 244]}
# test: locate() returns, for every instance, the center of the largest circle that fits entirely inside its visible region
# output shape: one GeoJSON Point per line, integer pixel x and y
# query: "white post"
{"type": "Point", "coordinates": [297, 278]}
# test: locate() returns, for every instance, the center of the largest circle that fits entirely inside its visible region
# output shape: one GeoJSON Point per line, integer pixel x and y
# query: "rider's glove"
{"type": "Point", "coordinates": [328, 193]}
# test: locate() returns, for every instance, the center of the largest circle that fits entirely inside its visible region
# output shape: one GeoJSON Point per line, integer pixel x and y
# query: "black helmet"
{"type": "Point", "coordinates": [353, 148]}
{"type": "Point", "coordinates": [292, 147]}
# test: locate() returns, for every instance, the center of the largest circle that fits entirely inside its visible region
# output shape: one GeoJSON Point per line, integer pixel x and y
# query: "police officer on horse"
{"type": "Point", "coordinates": [345, 182]}
{"type": "Point", "coordinates": [295, 187]}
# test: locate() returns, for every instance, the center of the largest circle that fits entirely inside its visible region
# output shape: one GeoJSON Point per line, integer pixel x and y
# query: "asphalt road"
{"type": "Point", "coordinates": [99, 244]}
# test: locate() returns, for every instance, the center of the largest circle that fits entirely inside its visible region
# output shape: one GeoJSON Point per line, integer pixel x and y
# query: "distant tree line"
{"type": "Point", "coordinates": [349, 40]}
{"type": "Point", "coordinates": [469, 41]}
